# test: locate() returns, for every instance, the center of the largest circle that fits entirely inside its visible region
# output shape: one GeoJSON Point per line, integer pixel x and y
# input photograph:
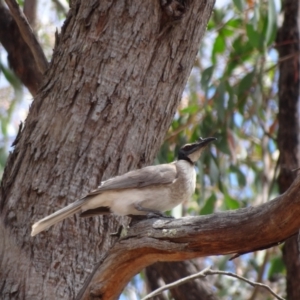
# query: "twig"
{"type": "Point", "coordinates": [28, 35]}
{"type": "Point", "coordinates": [261, 272]}
{"type": "Point", "coordinates": [204, 273]}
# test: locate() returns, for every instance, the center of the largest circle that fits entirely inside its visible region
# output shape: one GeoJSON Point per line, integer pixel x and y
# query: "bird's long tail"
{"type": "Point", "coordinates": [56, 217]}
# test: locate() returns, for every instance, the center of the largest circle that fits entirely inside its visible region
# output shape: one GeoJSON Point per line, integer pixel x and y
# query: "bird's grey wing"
{"type": "Point", "coordinates": [152, 175]}
{"type": "Point", "coordinates": [102, 210]}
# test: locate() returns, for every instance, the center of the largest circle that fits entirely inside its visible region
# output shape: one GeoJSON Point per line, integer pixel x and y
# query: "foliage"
{"type": "Point", "coordinates": [232, 95]}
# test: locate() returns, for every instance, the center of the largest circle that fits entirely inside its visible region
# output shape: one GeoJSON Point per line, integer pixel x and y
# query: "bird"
{"type": "Point", "coordinates": [148, 191]}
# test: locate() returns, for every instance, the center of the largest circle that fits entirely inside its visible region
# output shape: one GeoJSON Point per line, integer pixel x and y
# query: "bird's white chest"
{"type": "Point", "coordinates": [186, 181]}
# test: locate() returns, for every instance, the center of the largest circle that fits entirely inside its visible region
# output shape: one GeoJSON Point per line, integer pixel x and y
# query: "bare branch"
{"type": "Point", "coordinates": [204, 273]}
{"type": "Point", "coordinates": [28, 35]}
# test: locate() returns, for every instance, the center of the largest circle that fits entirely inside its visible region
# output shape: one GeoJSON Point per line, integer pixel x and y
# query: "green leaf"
{"type": "Point", "coordinates": [240, 175]}
{"type": "Point", "coordinates": [256, 16]}
{"type": "Point", "coordinates": [240, 5]}
{"type": "Point", "coordinates": [254, 36]}
{"type": "Point", "coordinates": [272, 25]}
{"type": "Point", "coordinates": [21, 2]}
{"type": "Point", "coordinates": [276, 267]}
{"type": "Point", "coordinates": [206, 76]}
{"type": "Point", "coordinates": [218, 47]}
{"type": "Point", "coordinates": [191, 109]}
{"type": "Point", "coordinates": [243, 89]}
{"type": "Point", "coordinates": [4, 125]}
{"type": "Point", "coordinates": [234, 23]}
{"type": "Point", "coordinates": [246, 83]}
{"type": "Point", "coordinates": [220, 101]}
{"type": "Point", "coordinates": [213, 168]}
{"type": "Point", "coordinates": [231, 203]}
{"type": "Point", "coordinates": [221, 143]}
{"type": "Point", "coordinates": [218, 17]}
{"type": "Point", "coordinates": [240, 53]}
{"type": "Point", "coordinates": [11, 77]}
{"type": "Point", "coordinates": [209, 205]}
{"type": "Point", "coordinates": [207, 121]}
{"type": "Point", "coordinates": [231, 95]}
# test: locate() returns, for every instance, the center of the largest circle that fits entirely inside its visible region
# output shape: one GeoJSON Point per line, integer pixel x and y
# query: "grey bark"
{"type": "Point", "coordinates": [116, 77]}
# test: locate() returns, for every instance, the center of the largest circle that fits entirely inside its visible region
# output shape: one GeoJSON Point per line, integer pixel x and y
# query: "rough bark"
{"type": "Point", "coordinates": [288, 132]}
{"type": "Point", "coordinates": [20, 57]}
{"type": "Point", "coordinates": [231, 232]}
{"type": "Point", "coordinates": [115, 80]}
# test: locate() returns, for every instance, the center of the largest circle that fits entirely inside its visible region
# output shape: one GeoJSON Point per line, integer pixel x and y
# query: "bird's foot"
{"type": "Point", "coordinates": [122, 229]}
{"type": "Point", "coordinates": [118, 232]}
{"type": "Point", "coordinates": [153, 215]}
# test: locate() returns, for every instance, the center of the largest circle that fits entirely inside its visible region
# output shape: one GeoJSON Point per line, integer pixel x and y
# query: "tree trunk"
{"type": "Point", "coordinates": [288, 133]}
{"type": "Point", "coordinates": [112, 88]}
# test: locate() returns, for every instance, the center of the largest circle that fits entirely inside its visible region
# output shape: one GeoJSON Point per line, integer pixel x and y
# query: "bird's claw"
{"type": "Point", "coordinates": [153, 215]}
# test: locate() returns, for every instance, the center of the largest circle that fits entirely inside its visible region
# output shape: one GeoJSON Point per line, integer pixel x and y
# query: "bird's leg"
{"type": "Point", "coordinates": [151, 213]}
{"type": "Point", "coordinates": [122, 229]}
{"type": "Point", "coordinates": [136, 219]}
{"type": "Point", "coordinates": [118, 232]}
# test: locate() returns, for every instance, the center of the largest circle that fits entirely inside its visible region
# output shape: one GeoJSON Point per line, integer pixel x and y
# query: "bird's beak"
{"type": "Point", "coordinates": [201, 143]}
{"type": "Point", "coordinates": [193, 151]}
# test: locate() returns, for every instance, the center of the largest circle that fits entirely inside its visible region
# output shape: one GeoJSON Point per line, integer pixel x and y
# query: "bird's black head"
{"type": "Point", "coordinates": [192, 152]}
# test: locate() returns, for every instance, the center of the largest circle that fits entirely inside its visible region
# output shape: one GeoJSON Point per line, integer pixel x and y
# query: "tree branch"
{"type": "Point", "coordinates": [240, 231]}
{"type": "Point", "coordinates": [204, 273]}
{"type": "Point", "coordinates": [172, 271]}
{"type": "Point", "coordinates": [20, 57]}
{"type": "Point", "coordinates": [28, 35]}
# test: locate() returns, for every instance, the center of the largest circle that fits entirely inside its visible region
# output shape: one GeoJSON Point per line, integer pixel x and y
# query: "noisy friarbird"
{"type": "Point", "coordinates": [150, 190]}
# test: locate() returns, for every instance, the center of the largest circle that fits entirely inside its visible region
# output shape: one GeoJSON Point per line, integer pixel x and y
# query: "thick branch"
{"type": "Point", "coordinates": [28, 35]}
{"type": "Point", "coordinates": [20, 57]}
{"type": "Point", "coordinates": [230, 232]}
